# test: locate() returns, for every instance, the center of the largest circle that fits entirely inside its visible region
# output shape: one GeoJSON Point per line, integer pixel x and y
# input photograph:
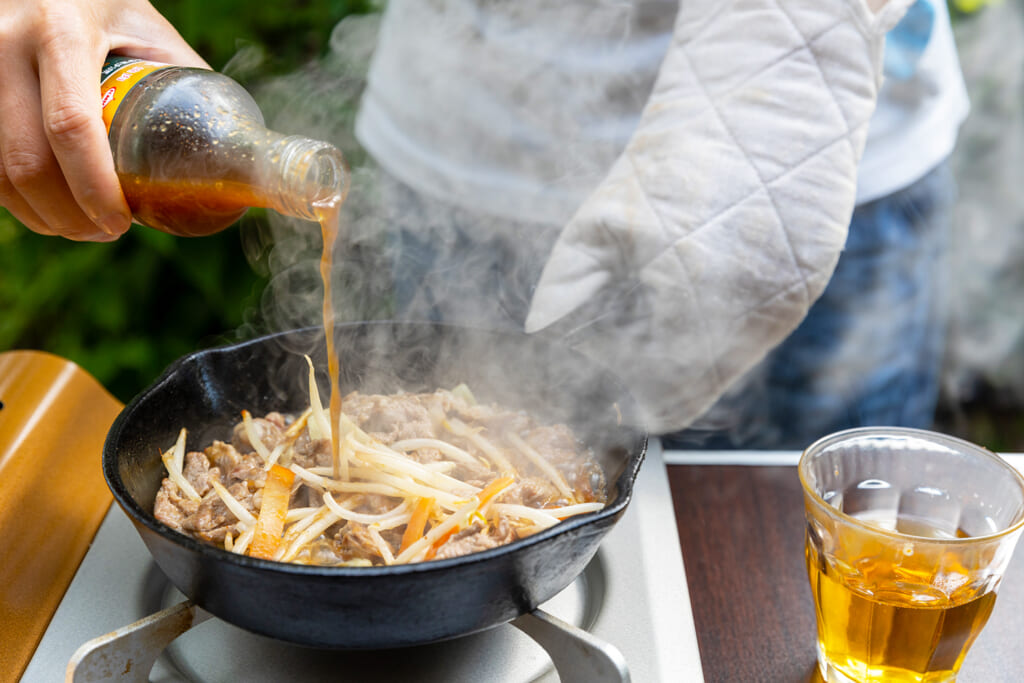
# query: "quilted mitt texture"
{"type": "Point", "coordinates": [723, 219]}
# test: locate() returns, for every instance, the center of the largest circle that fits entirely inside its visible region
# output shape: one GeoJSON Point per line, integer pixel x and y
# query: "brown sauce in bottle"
{"type": "Point", "coordinates": [189, 209]}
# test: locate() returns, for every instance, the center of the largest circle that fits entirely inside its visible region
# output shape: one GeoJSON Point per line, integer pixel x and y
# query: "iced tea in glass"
{"type": "Point", "coordinates": [908, 535]}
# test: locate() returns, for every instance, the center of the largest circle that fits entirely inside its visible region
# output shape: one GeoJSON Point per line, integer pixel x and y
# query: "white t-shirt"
{"type": "Point", "coordinates": [519, 108]}
{"type": "Point", "coordinates": [916, 122]}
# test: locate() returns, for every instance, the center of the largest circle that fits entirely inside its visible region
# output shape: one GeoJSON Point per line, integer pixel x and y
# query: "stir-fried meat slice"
{"type": "Point", "coordinates": [213, 519]}
{"type": "Point", "coordinates": [533, 492]}
{"type": "Point", "coordinates": [197, 472]}
{"type": "Point", "coordinates": [556, 442]}
{"type": "Point", "coordinates": [210, 519]}
{"type": "Point", "coordinates": [280, 420]}
{"type": "Point", "coordinates": [353, 541]}
{"type": "Point", "coordinates": [223, 456]}
{"type": "Point", "coordinates": [389, 418]}
{"type": "Point", "coordinates": [171, 507]}
{"type": "Point", "coordinates": [425, 456]}
{"type": "Point", "coordinates": [267, 432]}
{"type": "Point", "coordinates": [494, 419]}
{"type": "Point", "coordinates": [393, 537]}
{"type": "Point", "coordinates": [311, 452]}
{"type": "Point", "coordinates": [506, 421]}
{"type": "Point", "coordinates": [477, 537]}
{"type": "Point", "coordinates": [321, 552]}
{"type": "Point", "coordinates": [373, 504]}
{"type": "Point", "coordinates": [440, 402]}
{"type": "Point", "coordinates": [250, 470]}
{"type": "Point", "coordinates": [307, 497]}
{"type": "Point", "coordinates": [479, 474]}
{"type": "Point", "coordinates": [359, 407]}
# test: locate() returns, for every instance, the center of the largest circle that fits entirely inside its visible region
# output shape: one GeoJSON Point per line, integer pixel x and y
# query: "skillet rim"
{"type": "Point", "coordinates": [607, 516]}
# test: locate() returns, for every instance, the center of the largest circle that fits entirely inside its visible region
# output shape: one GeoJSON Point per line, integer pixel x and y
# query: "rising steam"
{"type": "Point", "coordinates": [408, 255]}
{"type": "Point", "coordinates": [404, 254]}
{"type": "Point", "coordinates": [401, 254]}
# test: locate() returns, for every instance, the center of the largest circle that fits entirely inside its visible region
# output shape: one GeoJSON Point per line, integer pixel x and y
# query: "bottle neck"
{"type": "Point", "coordinates": [301, 174]}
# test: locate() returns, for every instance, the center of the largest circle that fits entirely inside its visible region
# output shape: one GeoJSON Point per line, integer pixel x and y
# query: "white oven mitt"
{"type": "Point", "coordinates": [723, 219]}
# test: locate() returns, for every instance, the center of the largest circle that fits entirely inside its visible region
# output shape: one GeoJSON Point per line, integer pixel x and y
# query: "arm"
{"type": "Point", "coordinates": [56, 171]}
{"type": "Point", "coordinates": [723, 219]}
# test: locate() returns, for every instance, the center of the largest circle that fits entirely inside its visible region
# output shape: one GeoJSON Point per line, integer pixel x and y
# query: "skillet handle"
{"type": "Point", "coordinates": [578, 656]}
{"type": "Point", "coordinates": [127, 655]}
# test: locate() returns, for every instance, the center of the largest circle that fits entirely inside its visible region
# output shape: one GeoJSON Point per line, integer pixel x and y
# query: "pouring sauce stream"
{"type": "Point", "coordinates": [329, 213]}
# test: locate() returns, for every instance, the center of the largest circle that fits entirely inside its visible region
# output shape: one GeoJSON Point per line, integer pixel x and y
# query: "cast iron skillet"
{"type": "Point", "coordinates": [336, 607]}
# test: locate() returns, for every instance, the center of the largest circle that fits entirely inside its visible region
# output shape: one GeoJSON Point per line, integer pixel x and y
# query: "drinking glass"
{"type": "Point", "coordinates": [908, 535]}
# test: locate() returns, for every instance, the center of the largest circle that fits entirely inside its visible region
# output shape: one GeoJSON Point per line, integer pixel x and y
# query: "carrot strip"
{"type": "Point", "coordinates": [273, 510]}
{"type": "Point", "coordinates": [417, 523]}
{"type": "Point", "coordinates": [493, 489]}
{"type": "Point", "coordinates": [432, 551]}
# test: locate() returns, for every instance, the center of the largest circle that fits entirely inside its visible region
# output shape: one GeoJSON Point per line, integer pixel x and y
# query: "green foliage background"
{"type": "Point", "coordinates": [124, 311]}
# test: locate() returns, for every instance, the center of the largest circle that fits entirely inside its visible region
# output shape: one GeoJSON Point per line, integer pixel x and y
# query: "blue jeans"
{"type": "Point", "coordinates": [869, 351]}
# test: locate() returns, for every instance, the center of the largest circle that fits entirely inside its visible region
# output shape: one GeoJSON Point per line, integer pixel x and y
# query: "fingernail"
{"type": "Point", "coordinates": [114, 224]}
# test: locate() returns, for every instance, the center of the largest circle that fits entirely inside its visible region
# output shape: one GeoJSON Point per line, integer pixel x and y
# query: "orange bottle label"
{"type": "Point", "coordinates": [119, 75]}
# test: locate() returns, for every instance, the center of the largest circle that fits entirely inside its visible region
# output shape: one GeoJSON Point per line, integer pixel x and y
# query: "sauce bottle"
{"type": "Point", "coordinates": [192, 152]}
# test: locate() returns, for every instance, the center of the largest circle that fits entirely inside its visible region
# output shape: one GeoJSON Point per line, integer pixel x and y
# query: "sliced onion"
{"type": "Point", "coordinates": [319, 425]}
{"type": "Point", "coordinates": [451, 450]}
{"type": "Point", "coordinates": [243, 540]}
{"type": "Point", "coordinates": [401, 464]}
{"type": "Point", "coordinates": [542, 464]}
{"type": "Point", "coordinates": [540, 518]}
{"type": "Point", "coordinates": [254, 439]}
{"type": "Point", "coordinates": [309, 534]}
{"type": "Point", "coordinates": [382, 546]}
{"type": "Point", "coordinates": [573, 510]}
{"type": "Point", "coordinates": [460, 428]}
{"type": "Point", "coordinates": [401, 510]}
{"type": "Point", "coordinates": [175, 475]}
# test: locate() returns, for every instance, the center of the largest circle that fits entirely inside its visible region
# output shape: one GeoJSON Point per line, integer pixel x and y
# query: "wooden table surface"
{"type": "Point", "coordinates": [741, 531]}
